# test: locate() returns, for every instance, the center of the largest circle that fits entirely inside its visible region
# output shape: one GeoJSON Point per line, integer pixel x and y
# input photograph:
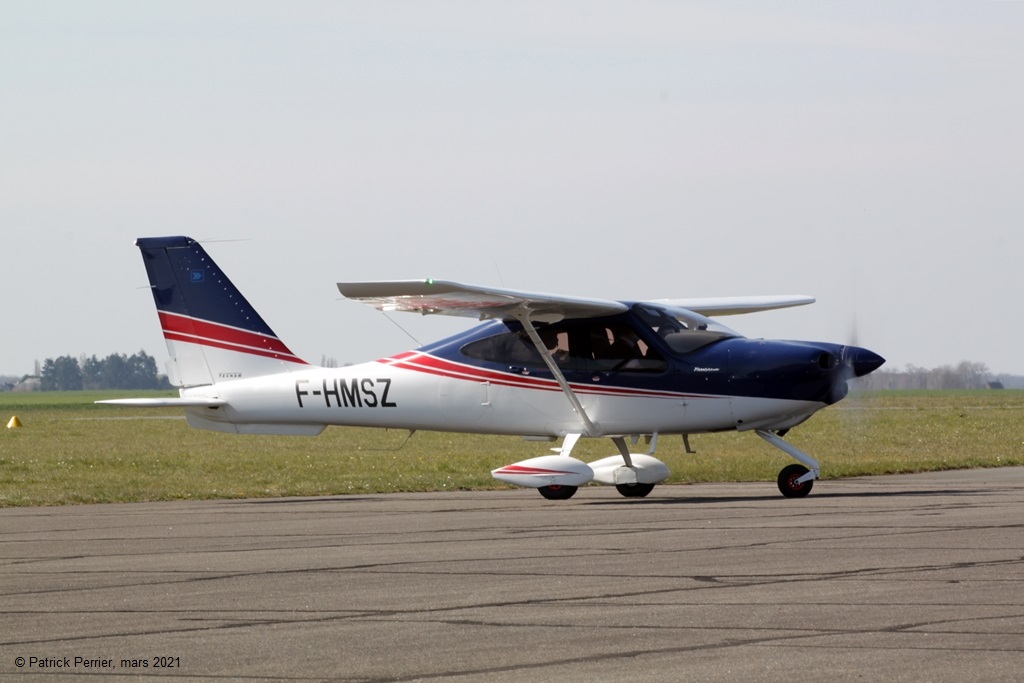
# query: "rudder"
{"type": "Point", "coordinates": [213, 333]}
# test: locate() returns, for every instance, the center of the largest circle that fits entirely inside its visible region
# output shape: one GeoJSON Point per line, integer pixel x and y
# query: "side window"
{"type": "Point", "coordinates": [580, 346]}
{"type": "Point", "coordinates": [617, 347]}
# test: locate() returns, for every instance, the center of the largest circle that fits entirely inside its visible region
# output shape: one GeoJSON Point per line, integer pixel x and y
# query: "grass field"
{"type": "Point", "coordinates": [71, 451]}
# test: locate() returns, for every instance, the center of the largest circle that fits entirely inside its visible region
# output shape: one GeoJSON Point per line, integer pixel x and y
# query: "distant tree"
{"type": "Point", "coordinates": [946, 377]}
{"type": "Point", "coordinates": [973, 375]}
{"type": "Point", "coordinates": [142, 372]}
{"type": "Point", "coordinates": [115, 371]}
{"type": "Point", "coordinates": [137, 371]}
{"type": "Point", "coordinates": [92, 372]}
{"type": "Point", "coordinates": [61, 374]}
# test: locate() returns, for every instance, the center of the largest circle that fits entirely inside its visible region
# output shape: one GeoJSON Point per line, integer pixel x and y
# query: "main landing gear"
{"type": "Point", "coordinates": [558, 492]}
{"type": "Point", "coordinates": [558, 477]}
{"type": "Point", "coordinates": [634, 490]}
{"type": "Point", "coordinates": [795, 481]}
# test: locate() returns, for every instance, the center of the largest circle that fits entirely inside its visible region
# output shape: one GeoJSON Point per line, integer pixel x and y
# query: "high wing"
{"type": "Point", "coordinates": [472, 301]}
{"type": "Point", "coordinates": [735, 305]}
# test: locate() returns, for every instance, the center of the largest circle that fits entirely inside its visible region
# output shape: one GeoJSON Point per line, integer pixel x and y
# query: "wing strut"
{"type": "Point", "coordinates": [522, 314]}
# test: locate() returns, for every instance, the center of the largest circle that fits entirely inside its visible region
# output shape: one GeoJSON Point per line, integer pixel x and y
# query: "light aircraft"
{"type": "Point", "coordinates": [540, 366]}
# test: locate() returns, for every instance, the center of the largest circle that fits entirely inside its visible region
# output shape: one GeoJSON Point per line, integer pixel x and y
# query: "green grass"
{"type": "Point", "coordinates": [72, 451]}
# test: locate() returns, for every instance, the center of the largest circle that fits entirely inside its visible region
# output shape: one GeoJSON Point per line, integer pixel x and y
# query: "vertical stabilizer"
{"type": "Point", "coordinates": [213, 334]}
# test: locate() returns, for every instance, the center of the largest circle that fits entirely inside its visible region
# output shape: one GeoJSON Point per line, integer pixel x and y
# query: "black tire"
{"type": "Point", "coordinates": [787, 481]}
{"type": "Point", "coordinates": [557, 492]}
{"type": "Point", "coordinates": [634, 490]}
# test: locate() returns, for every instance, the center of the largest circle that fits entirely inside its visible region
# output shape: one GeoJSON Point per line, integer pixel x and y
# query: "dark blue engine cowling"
{"type": "Point", "coordinates": [805, 371]}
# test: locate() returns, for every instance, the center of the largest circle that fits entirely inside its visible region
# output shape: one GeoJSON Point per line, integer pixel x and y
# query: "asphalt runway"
{"type": "Point", "coordinates": [915, 578]}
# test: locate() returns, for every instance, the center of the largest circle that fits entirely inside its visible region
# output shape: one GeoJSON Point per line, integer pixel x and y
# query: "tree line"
{"type": "Point", "coordinates": [116, 371]}
{"type": "Point", "coordinates": [965, 375]}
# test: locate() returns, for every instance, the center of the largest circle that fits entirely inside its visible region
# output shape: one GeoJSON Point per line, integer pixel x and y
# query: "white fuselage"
{"type": "Point", "coordinates": [384, 394]}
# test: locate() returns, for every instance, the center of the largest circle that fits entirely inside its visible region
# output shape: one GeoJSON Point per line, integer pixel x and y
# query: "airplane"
{"type": "Point", "coordinates": [540, 366]}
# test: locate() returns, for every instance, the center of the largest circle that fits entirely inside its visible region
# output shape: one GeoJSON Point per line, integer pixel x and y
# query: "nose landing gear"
{"type": "Point", "coordinates": [795, 481]}
{"type": "Point", "coordinates": [790, 484]}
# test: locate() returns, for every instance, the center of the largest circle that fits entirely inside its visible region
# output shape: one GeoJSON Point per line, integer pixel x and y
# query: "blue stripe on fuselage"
{"type": "Point", "coordinates": [734, 366]}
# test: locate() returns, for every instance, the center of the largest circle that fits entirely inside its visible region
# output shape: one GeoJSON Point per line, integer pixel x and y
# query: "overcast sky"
{"type": "Point", "coordinates": [870, 154]}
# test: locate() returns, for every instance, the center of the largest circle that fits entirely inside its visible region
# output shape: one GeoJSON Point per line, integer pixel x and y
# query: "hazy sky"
{"type": "Point", "coordinates": [870, 154]}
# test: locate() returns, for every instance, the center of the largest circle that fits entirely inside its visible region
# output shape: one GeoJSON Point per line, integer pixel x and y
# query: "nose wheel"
{"type": "Point", "coordinates": [795, 481]}
{"type": "Point", "coordinates": [790, 484]}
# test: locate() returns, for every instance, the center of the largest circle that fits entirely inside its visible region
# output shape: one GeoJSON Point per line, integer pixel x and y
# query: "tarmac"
{"type": "Point", "coordinates": [896, 578]}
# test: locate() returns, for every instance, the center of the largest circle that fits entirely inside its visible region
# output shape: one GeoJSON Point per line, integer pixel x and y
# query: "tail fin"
{"type": "Point", "coordinates": [213, 333]}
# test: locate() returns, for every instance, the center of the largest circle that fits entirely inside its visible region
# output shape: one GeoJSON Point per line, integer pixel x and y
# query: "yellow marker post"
{"type": "Point", "coordinates": [14, 423]}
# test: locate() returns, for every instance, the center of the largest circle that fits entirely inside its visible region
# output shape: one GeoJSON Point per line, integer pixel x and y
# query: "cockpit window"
{"type": "Point", "coordinates": [575, 346]}
{"type": "Point", "coordinates": [682, 330]}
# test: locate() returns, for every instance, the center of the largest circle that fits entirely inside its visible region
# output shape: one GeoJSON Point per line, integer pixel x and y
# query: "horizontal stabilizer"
{"type": "Point", "coordinates": [166, 402]}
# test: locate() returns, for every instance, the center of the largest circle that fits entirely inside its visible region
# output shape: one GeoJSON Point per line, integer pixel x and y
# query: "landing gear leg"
{"type": "Point", "coordinates": [795, 481]}
{"type": "Point", "coordinates": [632, 488]}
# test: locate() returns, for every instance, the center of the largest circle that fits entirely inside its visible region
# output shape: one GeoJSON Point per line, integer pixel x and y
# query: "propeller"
{"type": "Point", "coordinates": [848, 363]}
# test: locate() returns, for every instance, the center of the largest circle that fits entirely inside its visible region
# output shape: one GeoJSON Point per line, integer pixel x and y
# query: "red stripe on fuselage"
{"type": "Point", "coordinates": [422, 362]}
{"type": "Point", "coordinates": [519, 469]}
{"type": "Point", "coordinates": [438, 366]}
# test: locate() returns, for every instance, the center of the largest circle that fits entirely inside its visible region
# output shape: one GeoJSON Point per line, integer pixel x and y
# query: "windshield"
{"type": "Point", "coordinates": [682, 330]}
